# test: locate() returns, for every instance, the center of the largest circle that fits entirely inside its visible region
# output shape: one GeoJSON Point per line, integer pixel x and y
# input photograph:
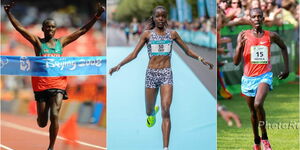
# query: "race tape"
{"type": "Point", "coordinates": [52, 66]}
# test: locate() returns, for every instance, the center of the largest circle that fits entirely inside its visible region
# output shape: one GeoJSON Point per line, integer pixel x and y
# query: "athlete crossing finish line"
{"type": "Point", "coordinates": [254, 46]}
{"type": "Point", "coordinates": [159, 42]}
{"type": "Point", "coordinates": [50, 91]}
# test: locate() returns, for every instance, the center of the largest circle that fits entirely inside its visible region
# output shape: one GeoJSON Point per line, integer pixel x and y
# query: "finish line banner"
{"type": "Point", "coordinates": [53, 66]}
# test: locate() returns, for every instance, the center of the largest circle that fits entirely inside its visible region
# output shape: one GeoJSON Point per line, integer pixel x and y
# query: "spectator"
{"type": "Point", "coordinates": [234, 11]}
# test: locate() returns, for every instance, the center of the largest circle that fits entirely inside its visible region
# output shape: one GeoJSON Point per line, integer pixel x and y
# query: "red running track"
{"type": "Point", "coordinates": [23, 133]}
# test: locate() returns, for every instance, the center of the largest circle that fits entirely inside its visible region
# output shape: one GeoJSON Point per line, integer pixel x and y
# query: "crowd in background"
{"type": "Point", "coordinates": [68, 18]}
{"type": "Point", "coordinates": [236, 12]}
{"type": "Point", "coordinates": [198, 24]}
{"type": "Point", "coordinates": [135, 28]}
{"type": "Point", "coordinates": [276, 12]}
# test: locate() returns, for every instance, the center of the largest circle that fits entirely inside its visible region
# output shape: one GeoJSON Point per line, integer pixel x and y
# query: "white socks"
{"type": "Point", "coordinates": [166, 148]}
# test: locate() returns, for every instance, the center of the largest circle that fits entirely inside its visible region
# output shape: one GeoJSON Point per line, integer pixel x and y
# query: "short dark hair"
{"type": "Point", "coordinates": [239, 3]}
{"type": "Point", "coordinates": [46, 20]}
{"type": "Point", "coordinates": [158, 7]}
{"type": "Point", "coordinates": [257, 9]}
{"type": "Point", "coordinates": [151, 23]}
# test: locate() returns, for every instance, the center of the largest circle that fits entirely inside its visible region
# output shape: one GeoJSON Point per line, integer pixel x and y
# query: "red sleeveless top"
{"type": "Point", "coordinates": [257, 54]}
{"type": "Point", "coordinates": [44, 83]}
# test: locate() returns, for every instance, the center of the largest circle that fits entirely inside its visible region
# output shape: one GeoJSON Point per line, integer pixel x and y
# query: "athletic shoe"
{"type": "Point", "coordinates": [266, 145]}
{"type": "Point", "coordinates": [152, 119]}
{"type": "Point", "coordinates": [256, 147]}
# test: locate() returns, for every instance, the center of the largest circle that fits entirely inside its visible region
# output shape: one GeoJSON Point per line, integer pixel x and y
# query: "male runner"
{"type": "Point", "coordinates": [254, 47]}
{"type": "Point", "coordinates": [50, 91]}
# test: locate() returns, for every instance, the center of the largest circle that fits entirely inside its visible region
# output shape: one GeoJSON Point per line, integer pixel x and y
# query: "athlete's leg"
{"type": "Point", "coordinates": [55, 105]}
{"type": "Point", "coordinates": [261, 94]}
{"type": "Point", "coordinates": [42, 112]}
{"type": "Point", "coordinates": [151, 94]}
{"type": "Point", "coordinates": [166, 92]}
{"type": "Point", "coordinates": [254, 121]}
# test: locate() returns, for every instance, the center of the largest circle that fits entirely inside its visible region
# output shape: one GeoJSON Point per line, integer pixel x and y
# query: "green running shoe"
{"type": "Point", "coordinates": [152, 119]}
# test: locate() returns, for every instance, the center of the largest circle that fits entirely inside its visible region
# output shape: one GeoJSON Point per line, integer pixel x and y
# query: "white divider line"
{"type": "Point", "coordinates": [23, 128]}
{"type": "Point", "coordinates": [5, 147]}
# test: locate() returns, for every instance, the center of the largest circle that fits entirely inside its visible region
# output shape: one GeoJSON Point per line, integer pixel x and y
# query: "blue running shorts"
{"type": "Point", "coordinates": [250, 84]}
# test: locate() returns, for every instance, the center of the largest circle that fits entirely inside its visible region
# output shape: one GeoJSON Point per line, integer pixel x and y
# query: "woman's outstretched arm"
{"type": "Point", "coordinates": [133, 54]}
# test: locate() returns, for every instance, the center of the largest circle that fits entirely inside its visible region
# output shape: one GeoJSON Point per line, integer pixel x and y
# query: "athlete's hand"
{"type": "Point", "coordinates": [277, 11]}
{"type": "Point", "coordinates": [283, 75]}
{"type": "Point", "coordinates": [243, 38]}
{"type": "Point", "coordinates": [100, 9]}
{"type": "Point", "coordinates": [114, 69]}
{"type": "Point", "coordinates": [211, 66]}
{"type": "Point", "coordinates": [227, 115]}
{"type": "Point", "coordinates": [9, 6]}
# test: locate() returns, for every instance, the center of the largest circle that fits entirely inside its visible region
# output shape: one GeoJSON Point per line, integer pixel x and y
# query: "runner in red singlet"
{"type": "Point", "coordinates": [49, 91]}
{"type": "Point", "coordinates": [254, 47]}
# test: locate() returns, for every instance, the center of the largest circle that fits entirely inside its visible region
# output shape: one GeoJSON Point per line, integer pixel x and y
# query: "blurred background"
{"type": "Point", "coordinates": [193, 112]}
{"type": "Point", "coordinates": [87, 94]}
{"type": "Point", "coordinates": [194, 21]}
{"type": "Point", "coordinates": [282, 17]}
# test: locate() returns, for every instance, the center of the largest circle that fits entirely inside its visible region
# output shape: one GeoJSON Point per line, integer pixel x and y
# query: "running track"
{"type": "Point", "coordinates": [193, 109]}
{"type": "Point", "coordinates": [22, 133]}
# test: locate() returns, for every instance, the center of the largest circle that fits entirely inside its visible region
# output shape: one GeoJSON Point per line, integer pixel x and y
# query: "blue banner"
{"type": "Point", "coordinates": [211, 8]}
{"type": "Point", "coordinates": [206, 39]}
{"type": "Point", "coordinates": [52, 66]}
{"type": "Point", "coordinates": [187, 12]}
{"type": "Point", "coordinates": [173, 13]}
{"type": "Point", "coordinates": [184, 10]}
{"type": "Point", "coordinates": [180, 10]}
{"type": "Point", "coordinates": [201, 8]}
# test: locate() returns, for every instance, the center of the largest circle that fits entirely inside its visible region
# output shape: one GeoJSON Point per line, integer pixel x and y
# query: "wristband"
{"type": "Point", "coordinates": [200, 58]}
{"type": "Point", "coordinates": [221, 108]}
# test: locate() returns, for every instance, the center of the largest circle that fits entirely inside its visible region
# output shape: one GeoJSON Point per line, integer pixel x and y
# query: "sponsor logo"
{"type": "Point", "coordinates": [24, 63]}
{"type": "Point", "coordinates": [51, 55]}
{"type": "Point", "coordinates": [263, 42]}
{"type": "Point", "coordinates": [3, 62]}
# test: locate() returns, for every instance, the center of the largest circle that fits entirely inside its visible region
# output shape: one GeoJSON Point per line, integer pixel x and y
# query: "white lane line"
{"type": "Point", "coordinates": [5, 147]}
{"type": "Point", "coordinates": [23, 128]}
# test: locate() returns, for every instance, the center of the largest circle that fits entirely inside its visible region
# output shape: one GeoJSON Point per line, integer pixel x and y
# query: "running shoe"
{"type": "Point", "coordinates": [266, 145]}
{"type": "Point", "coordinates": [152, 119]}
{"type": "Point", "coordinates": [256, 147]}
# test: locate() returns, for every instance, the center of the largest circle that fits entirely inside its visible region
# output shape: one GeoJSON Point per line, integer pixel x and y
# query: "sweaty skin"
{"type": "Point", "coordinates": [255, 104]}
{"type": "Point", "coordinates": [49, 29]}
{"type": "Point", "coordinates": [159, 62]}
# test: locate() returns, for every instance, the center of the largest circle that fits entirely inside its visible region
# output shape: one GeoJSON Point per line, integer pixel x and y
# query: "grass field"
{"type": "Point", "coordinates": [282, 113]}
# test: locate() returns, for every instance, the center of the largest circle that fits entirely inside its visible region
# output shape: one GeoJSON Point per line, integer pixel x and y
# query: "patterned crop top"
{"type": "Point", "coordinates": [160, 45]}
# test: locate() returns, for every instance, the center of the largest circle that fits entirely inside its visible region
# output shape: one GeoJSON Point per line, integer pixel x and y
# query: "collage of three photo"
{"type": "Point", "coordinates": [150, 75]}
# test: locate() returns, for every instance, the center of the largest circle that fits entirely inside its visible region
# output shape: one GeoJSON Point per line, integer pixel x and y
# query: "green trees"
{"type": "Point", "coordinates": [141, 9]}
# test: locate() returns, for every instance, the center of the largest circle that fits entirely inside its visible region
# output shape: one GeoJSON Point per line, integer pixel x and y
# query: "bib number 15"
{"type": "Point", "coordinates": [259, 54]}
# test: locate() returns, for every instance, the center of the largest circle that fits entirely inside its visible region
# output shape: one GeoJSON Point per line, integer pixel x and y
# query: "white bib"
{"type": "Point", "coordinates": [161, 47]}
{"type": "Point", "coordinates": [259, 54]}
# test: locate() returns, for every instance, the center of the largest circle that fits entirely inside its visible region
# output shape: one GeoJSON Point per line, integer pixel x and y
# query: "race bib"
{"type": "Point", "coordinates": [259, 54]}
{"type": "Point", "coordinates": [161, 47]}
